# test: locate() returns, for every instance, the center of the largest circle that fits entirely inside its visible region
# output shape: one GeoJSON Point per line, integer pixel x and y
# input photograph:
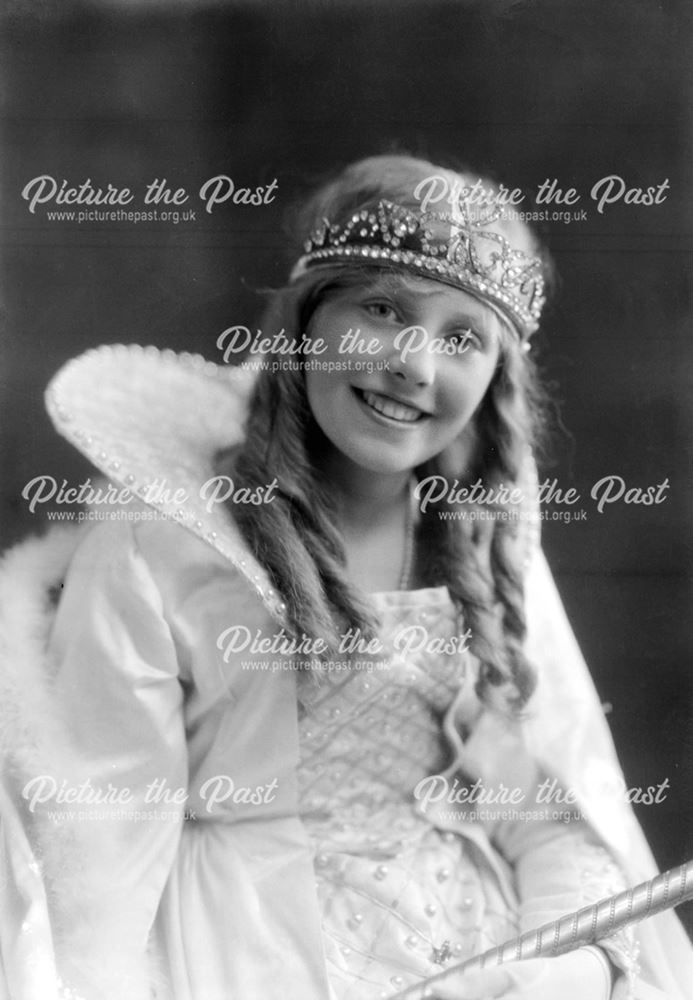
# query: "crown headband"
{"type": "Point", "coordinates": [457, 249]}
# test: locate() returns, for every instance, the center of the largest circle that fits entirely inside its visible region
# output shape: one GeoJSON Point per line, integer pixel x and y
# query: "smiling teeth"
{"type": "Point", "coordinates": [397, 411]}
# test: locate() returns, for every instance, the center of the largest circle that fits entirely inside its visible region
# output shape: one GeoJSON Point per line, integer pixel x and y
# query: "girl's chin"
{"type": "Point", "coordinates": [381, 462]}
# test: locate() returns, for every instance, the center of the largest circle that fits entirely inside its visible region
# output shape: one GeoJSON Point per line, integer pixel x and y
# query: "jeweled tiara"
{"type": "Point", "coordinates": [459, 249]}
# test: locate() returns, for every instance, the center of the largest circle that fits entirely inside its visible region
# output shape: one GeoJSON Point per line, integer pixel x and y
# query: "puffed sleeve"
{"type": "Point", "coordinates": [119, 799]}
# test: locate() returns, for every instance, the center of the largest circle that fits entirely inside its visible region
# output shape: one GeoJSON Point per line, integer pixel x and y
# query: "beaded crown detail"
{"type": "Point", "coordinates": [458, 248]}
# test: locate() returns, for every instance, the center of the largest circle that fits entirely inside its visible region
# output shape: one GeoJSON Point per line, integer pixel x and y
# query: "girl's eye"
{"type": "Point", "coordinates": [463, 341]}
{"type": "Point", "coordinates": [381, 310]}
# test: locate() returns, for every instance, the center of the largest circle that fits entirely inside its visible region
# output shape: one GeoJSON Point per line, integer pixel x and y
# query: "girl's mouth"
{"type": "Point", "coordinates": [389, 408]}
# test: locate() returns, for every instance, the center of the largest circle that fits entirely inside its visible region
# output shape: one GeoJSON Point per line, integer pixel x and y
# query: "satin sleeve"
{"type": "Point", "coordinates": [560, 868]}
{"type": "Point", "coordinates": [118, 806]}
{"type": "Point", "coordinates": [566, 852]}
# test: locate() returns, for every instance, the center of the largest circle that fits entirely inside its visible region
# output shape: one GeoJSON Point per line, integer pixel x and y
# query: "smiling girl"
{"type": "Point", "coordinates": [346, 883]}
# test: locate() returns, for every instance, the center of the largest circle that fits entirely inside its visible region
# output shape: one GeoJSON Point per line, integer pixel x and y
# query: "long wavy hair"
{"type": "Point", "coordinates": [296, 537]}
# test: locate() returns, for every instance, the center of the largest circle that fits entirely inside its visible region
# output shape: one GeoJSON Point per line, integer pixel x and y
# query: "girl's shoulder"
{"type": "Point", "coordinates": [121, 551]}
{"type": "Point", "coordinates": [117, 553]}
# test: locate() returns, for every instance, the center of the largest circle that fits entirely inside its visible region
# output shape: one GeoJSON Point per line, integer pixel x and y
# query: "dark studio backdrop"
{"type": "Point", "coordinates": [573, 91]}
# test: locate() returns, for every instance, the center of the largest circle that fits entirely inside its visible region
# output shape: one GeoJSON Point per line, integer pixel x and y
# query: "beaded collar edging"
{"type": "Point", "coordinates": [145, 417]}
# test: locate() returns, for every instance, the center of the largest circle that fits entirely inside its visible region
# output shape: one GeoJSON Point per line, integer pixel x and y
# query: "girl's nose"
{"type": "Point", "coordinates": [417, 367]}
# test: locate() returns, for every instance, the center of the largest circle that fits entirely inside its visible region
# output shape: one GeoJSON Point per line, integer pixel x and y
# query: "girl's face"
{"type": "Point", "coordinates": [433, 351]}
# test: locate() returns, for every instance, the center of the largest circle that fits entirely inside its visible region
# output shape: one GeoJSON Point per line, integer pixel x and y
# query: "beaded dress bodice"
{"type": "Point", "coordinates": [398, 896]}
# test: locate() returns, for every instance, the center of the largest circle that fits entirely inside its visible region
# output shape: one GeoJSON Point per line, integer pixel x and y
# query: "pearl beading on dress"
{"type": "Point", "coordinates": [365, 742]}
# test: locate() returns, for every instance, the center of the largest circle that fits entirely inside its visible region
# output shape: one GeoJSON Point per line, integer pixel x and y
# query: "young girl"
{"type": "Point", "coordinates": [307, 721]}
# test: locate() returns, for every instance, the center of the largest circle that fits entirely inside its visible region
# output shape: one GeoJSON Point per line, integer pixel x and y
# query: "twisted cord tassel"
{"type": "Point", "coordinates": [586, 926]}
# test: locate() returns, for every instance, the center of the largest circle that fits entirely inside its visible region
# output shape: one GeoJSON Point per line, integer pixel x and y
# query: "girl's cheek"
{"type": "Point", "coordinates": [461, 394]}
